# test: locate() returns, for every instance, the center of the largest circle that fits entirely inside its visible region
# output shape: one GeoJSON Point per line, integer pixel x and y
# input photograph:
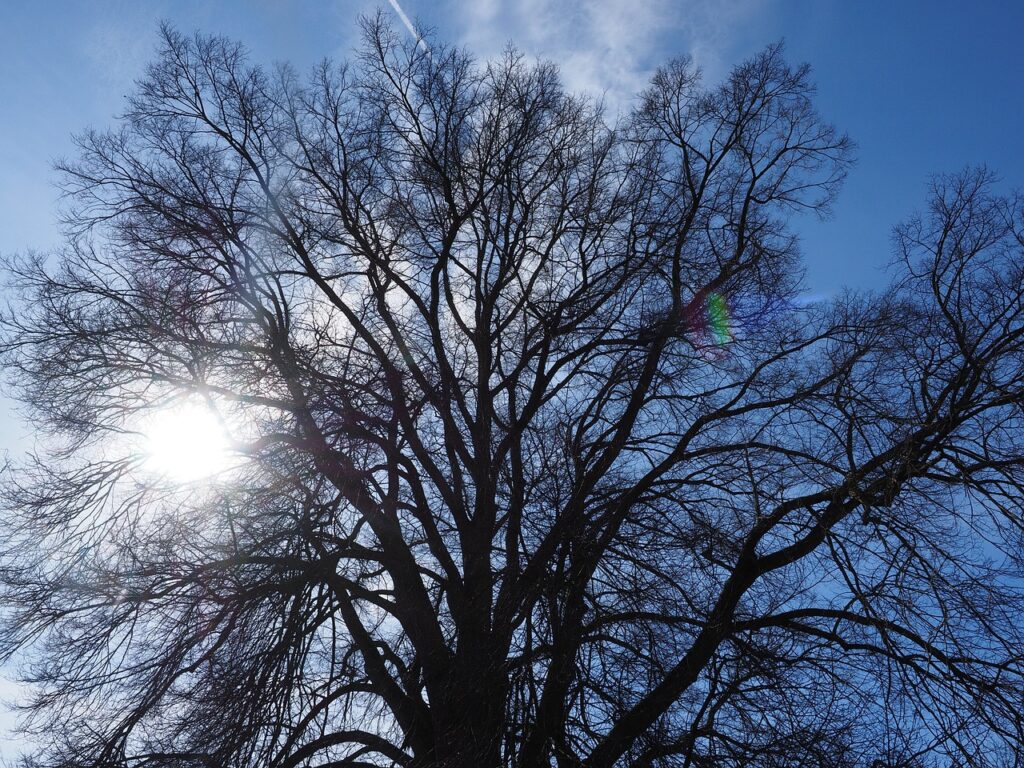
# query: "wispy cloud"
{"type": "Point", "coordinates": [609, 47]}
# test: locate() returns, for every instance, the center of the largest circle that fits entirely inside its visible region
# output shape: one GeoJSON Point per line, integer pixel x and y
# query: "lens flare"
{"type": "Point", "coordinates": [711, 320]}
{"type": "Point", "coordinates": [707, 318]}
{"type": "Point", "coordinates": [718, 317]}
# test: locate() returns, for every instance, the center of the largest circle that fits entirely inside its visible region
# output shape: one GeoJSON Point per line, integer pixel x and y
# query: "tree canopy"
{"type": "Point", "coordinates": [538, 458]}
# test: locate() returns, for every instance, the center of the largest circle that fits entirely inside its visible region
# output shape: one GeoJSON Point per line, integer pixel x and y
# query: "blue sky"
{"type": "Point", "coordinates": [922, 87]}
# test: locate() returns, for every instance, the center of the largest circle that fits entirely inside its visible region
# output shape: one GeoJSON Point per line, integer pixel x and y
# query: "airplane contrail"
{"type": "Point", "coordinates": [409, 25]}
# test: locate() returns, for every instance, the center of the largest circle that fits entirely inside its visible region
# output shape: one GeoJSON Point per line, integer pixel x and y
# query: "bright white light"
{"type": "Point", "coordinates": [186, 443]}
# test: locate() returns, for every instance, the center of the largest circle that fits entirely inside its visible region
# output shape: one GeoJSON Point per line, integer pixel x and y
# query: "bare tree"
{"type": "Point", "coordinates": [538, 461]}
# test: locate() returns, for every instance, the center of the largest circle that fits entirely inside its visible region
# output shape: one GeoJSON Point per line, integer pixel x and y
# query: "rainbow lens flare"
{"type": "Point", "coordinates": [718, 318]}
{"type": "Point", "coordinates": [707, 316]}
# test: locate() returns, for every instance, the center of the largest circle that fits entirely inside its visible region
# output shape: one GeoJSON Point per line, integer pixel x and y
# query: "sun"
{"type": "Point", "coordinates": [186, 443]}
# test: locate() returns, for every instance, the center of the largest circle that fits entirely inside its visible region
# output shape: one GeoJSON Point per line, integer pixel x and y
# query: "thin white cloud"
{"type": "Point", "coordinates": [611, 46]}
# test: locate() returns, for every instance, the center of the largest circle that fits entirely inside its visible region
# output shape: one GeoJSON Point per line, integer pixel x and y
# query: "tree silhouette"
{"type": "Point", "coordinates": [532, 469]}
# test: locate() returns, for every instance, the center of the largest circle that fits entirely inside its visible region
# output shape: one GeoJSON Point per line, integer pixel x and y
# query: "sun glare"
{"type": "Point", "coordinates": [186, 443]}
